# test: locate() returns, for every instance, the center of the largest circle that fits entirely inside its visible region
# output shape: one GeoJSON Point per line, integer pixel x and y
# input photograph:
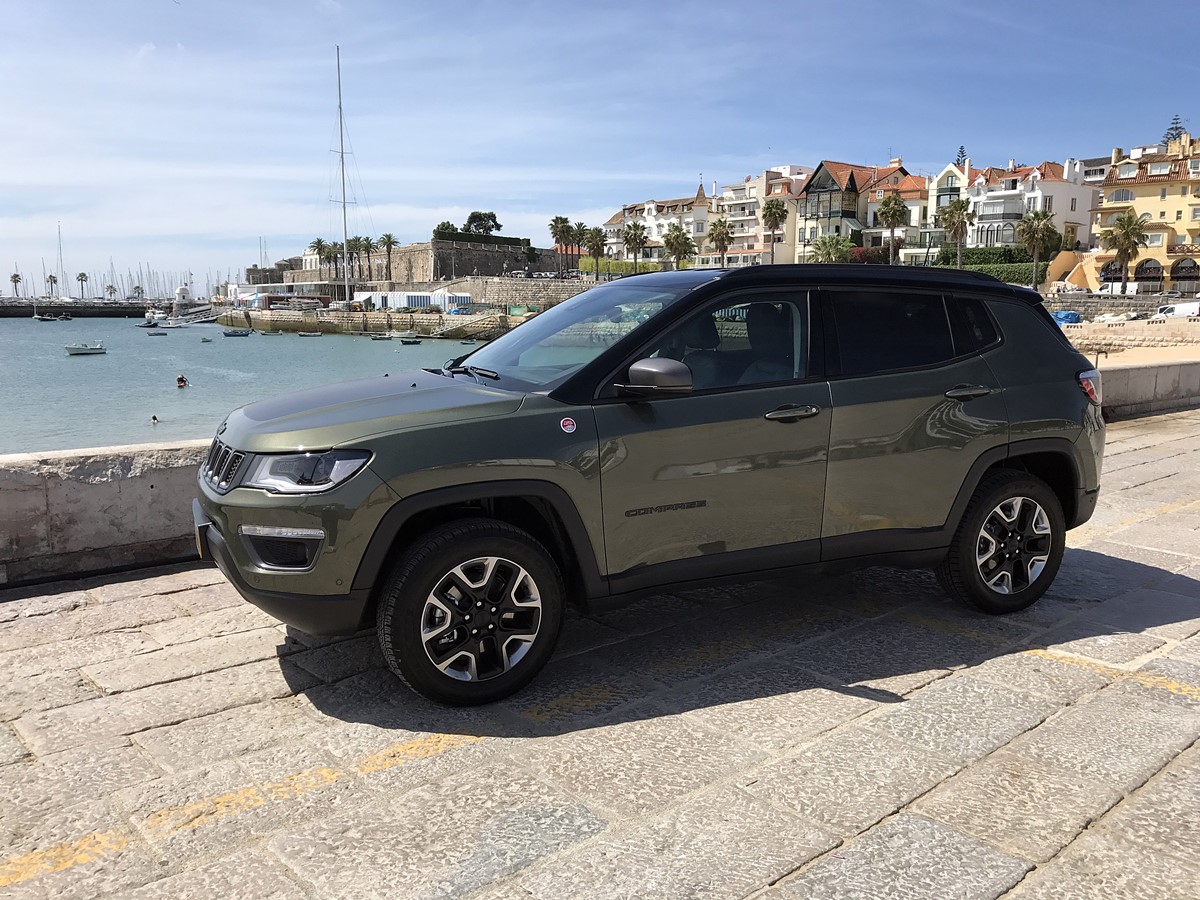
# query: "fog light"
{"type": "Point", "coordinates": [278, 548]}
{"type": "Point", "coordinates": [271, 531]}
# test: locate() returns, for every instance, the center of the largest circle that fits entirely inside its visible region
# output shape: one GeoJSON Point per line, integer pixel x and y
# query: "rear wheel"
{"type": "Point", "coordinates": [1009, 545]}
{"type": "Point", "coordinates": [470, 612]}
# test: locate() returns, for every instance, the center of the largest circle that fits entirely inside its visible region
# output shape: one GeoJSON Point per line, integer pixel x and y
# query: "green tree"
{"type": "Point", "coordinates": [444, 231]}
{"type": "Point", "coordinates": [138, 291]}
{"type": "Point", "coordinates": [774, 216]}
{"type": "Point", "coordinates": [16, 281]}
{"type": "Point", "coordinates": [82, 278]}
{"type": "Point", "coordinates": [111, 290]}
{"type": "Point", "coordinates": [955, 218]}
{"type": "Point", "coordinates": [321, 248]}
{"type": "Point", "coordinates": [560, 233]}
{"type": "Point", "coordinates": [594, 241]}
{"type": "Point", "coordinates": [1036, 232]}
{"type": "Point", "coordinates": [578, 235]}
{"type": "Point", "coordinates": [481, 223]}
{"type": "Point", "coordinates": [1174, 131]}
{"type": "Point", "coordinates": [961, 159]}
{"type": "Point", "coordinates": [892, 212]}
{"type": "Point", "coordinates": [1127, 237]}
{"type": "Point", "coordinates": [368, 246]}
{"type": "Point", "coordinates": [51, 283]}
{"type": "Point", "coordinates": [634, 238]}
{"type": "Point", "coordinates": [831, 248]}
{"type": "Point", "coordinates": [678, 244]}
{"type": "Point", "coordinates": [388, 243]}
{"type": "Point", "coordinates": [720, 237]}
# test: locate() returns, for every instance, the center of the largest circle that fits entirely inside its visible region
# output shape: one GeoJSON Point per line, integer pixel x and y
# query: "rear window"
{"type": "Point", "coordinates": [878, 331]}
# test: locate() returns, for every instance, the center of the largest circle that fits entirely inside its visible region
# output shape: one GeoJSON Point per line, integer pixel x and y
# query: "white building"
{"type": "Point", "coordinates": [1000, 198]}
{"type": "Point", "coordinates": [741, 205]}
{"type": "Point", "coordinates": [692, 213]}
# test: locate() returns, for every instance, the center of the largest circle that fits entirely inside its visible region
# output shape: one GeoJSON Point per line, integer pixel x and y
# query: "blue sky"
{"type": "Point", "coordinates": [176, 134]}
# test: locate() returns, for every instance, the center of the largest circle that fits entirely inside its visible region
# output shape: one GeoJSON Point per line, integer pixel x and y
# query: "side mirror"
{"type": "Point", "coordinates": [654, 377]}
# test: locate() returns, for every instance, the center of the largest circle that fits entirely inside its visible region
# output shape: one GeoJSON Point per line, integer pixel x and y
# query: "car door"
{"type": "Point", "coordinates": [914, 405]}
{"type": "Point", "coordinates": [731, 476]}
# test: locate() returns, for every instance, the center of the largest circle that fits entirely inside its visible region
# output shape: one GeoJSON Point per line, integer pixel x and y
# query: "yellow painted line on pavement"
{"type": "Point", "coordinates": [1146, 679]}
{"type": "Point", "coordinates": [204, 811]}
{"type": "Point", "coordinates": [93, 847]}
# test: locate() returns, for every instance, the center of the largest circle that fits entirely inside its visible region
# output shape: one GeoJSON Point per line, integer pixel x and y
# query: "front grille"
{"type": "Point", "coordinates": [283, 554]}
{"type": "Point", "coordinates": [222, 464]}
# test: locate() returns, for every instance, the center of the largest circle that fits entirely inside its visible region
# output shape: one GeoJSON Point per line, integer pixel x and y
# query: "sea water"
{"type": "Point", "coordinates": [51, 401]}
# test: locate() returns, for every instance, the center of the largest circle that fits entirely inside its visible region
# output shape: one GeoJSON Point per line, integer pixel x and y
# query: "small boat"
{"type": "Point", "coordinates": [310, 333]}
{"type": "Point", "coordinates": [271, 333]}
{"type": "Point", "coordinates": [469, 342]}
{"type": "Point", "coordinates": [172, 325]}
{"type": "Point", "coordinates": [156, 333]}
{"type": "Point", "coordinates": [149, 323]}
{"type": "Point", "coordinates": [206, 340]}
{"type": "Point", "coordinates": [65, 317]}
{"type": "Point", "coordinates": [410, 341]}
{"type": "Point", "coordinates": [43, 318]}
{"type": "Point", "coordinates": [236, 332]}
{"type": "Point", "coordinates": [381, 337]}
{"type": "Point", "coordinates": [86, 349]}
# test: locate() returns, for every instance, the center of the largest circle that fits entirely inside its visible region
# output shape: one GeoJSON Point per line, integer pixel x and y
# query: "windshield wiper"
{"type": "Point", "coordinates": [475, 371]}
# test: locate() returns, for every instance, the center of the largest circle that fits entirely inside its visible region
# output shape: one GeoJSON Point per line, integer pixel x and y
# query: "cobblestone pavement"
{"type": "Point", "coordinates": [857, 736]}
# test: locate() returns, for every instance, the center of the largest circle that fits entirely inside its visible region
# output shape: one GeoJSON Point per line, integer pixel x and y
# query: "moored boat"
{"type": "Point", "coordinates": [85, 349]}
{"type": "Point", "coordinates": [410, 341]}
{"type": "Point", "coordinates": [271, 333]}
{"type": "Point", "coordinates": [236, 332]}
{"type": "Point", "coordinates": [310, 333]}
{"type": "Point", "coordinates": [381, 337]}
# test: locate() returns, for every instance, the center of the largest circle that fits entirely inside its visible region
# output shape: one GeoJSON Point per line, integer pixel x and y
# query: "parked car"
{"type": "Point", "coordinates": [1169, 295]}
{"type": "Point", "coordinates": [625, 443]}
{"type": "Point", "coordinates": [1177, 310]}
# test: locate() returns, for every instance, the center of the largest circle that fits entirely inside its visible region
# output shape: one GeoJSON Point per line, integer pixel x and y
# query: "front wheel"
{"type": "Point", "coordinates": [1009, 545]}
{"type": "Point", "coordinates": [471, 612]}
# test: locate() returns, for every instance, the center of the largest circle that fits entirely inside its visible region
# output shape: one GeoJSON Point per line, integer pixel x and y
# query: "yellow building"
{"type": "Point", "coordinates": [1163, 189]}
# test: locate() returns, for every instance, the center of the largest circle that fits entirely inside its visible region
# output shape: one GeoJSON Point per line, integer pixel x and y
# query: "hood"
{"type": "Point", "coordinates": [340, 414]}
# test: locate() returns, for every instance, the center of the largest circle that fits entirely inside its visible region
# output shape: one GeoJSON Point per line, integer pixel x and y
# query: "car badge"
{"type": "Point", "coordinates": [567, 425]}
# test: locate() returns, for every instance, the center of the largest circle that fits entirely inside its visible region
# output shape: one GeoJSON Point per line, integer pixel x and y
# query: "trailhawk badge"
{"type": "Point", "coordinates": [567, 425]}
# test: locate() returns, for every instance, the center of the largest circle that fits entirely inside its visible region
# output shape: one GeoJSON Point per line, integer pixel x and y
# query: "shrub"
{"type": "Point", "coordinates": [1012, 273]}
{"type": "Point", "coordinates": [983, 256]}
{"type": "Point", "coordinates": [872, 256]}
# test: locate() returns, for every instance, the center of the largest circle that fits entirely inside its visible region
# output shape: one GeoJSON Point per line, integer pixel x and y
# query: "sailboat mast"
{"type": "Point", "coordinates": [342, 158]}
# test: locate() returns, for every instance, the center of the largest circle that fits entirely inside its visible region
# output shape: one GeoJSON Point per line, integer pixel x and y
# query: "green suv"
{"type": "Point", "coordinates": [656, 432]}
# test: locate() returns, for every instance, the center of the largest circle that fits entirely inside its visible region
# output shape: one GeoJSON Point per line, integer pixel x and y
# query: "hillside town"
{"type": "Point", "coordinates": [1130, 218]}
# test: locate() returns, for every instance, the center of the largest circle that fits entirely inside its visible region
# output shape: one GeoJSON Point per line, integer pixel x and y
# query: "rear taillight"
{"type": "Point", "coordinates": [1090, 382]}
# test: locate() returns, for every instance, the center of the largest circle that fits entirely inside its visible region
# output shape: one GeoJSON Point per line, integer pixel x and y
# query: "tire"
{"type": "Point", "coordinates": [995, 570]}
{"type": "Point", "coordinates": [447, 643]}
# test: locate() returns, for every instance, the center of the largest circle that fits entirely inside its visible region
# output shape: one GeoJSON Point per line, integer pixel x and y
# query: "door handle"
{"type": "Point", "coordinates": [968, 391]}
{"type": "Point", "coordinates": [790, 411]}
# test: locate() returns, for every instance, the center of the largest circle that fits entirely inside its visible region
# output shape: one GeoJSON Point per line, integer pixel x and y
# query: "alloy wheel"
{"type": "Point", "coordinates": [481, 619]}
{"type": "Point", "coordinates": [1014, 545]}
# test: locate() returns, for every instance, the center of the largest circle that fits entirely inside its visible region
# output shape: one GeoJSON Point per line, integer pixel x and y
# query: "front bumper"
{"type": "Point", "coordinates": [319, 615]}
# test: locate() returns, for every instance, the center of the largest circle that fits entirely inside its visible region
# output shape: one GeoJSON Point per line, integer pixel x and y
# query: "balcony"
{"type": "Point", "coordinates": [1183, 249]}
{"type": "Point", "coordinates": [1000, 217]}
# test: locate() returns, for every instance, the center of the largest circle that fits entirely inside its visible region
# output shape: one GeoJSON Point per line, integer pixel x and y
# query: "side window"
{"type": "Point", "coordinates": [976, 330]}
{"type": "Point", "coordinates": [878, 331]}
{"type": "Point", "coordinates": [753, 340]}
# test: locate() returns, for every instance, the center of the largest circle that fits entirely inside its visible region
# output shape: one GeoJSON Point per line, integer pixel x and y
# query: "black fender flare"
{"type": "Point", "coordinates": [375, 557]}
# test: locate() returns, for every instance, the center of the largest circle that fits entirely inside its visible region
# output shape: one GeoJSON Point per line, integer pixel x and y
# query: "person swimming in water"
{"type": "Point", "coordinates": [182, 381]}
{"type": "Point", "coordinates": [154, 420]}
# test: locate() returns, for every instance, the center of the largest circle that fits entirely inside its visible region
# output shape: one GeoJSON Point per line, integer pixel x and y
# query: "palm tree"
{"type": "Point", "coordinates": [578, 235]}
{"type": "Point", "coordinates": [387, 243]}
{"type": "Point", "coordinates": [321, 248]}
{"type": "Point", "coordinates": [82, 278]}
{"type": "Point", "coordinates": [634, 238]}
{"type": "Point", "coordinates": [368, 246]}
{"type": "Point", "coordinates": [16, 281]}
{"type": "Point", "coordinates": [1036, 231]}
{"type": "Point", "coordinates": [1127, 237]}
{"type": "Point", "coordinates": [678, 243]}
{"type": "Point", "coordinates": [51, 282]}
{"type": "Point", "coordinates": [720, 236]}
{"type": "Point", "coordinates": [560, 233]}
{"type": "Point", "coordinates": [138, 290]}
{"type": "Point", "coordinates": [892, 212]}
{"type": "Point", "coordinates": [831, 248]}
{"type": "Point", "coordinates": [111, 290]}
{"type": "Point", "coordinates": [955, 218]}
{"type": "Point", "coordinates": [594, 241]}
{"type": "Point", "coordinates": [336, 252]}
{"type": "Point", "coordinates": [774, 214]}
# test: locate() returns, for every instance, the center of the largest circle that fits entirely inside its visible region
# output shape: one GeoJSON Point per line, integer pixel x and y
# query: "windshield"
{"type": "Point", "coordinates": [550, 346]}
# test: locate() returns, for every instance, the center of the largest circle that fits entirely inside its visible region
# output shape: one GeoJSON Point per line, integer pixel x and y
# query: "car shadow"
{"type": "Point", "coordinates": [868, 637]}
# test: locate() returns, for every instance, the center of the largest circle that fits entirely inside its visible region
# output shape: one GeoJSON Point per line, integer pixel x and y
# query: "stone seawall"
{"type": "Point", "coordinates": [72, 512]}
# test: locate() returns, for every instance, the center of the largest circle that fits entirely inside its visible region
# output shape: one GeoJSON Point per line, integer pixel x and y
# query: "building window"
{"type": "Point", "coordinates": [1128, 170]}
{"type": "Point", "coordinates": [1160, 168]}
{"type": "Point", "coordinates": [1154, 240]}
{"type": "Point", "coordinates": [1194, 167]}
{"type": "Point", "coordinates": [1072, 204]}
{"type": "Point", "coordinates": [1124, 195]}
{"type": "Point", "coordinates": [1178, 214]}
{"type": "Point", "coordinates": [1183, 191]}
{"type": "Point", "coordinates": [879, 195]}
{"type": "Point", "coordinates": [1049, 207]}
{"type": "Point", "coordinates": [1162, 213]}
{"type": "Point", "coordinates": [1196, 213]}
{"type": "Point", "coordinates": [951, 181]}
{"type": "Point", "coordinates": [1162, 194]}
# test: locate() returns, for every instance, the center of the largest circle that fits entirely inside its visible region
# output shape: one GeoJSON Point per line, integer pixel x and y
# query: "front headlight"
{"type": "Point", "coordinates": [304, 473]}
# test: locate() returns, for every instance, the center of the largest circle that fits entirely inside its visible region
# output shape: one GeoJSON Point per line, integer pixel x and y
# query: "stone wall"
{"type": "Point", "coordinates": [438, 261]}
{"type": "Point", "coordinates": [1146, 389]}
{"type": "Point", "coordinates": [71, 512]}
{"type": "Point", "coordinates": [1090, 307]}
{"type": "Point", "coordinates": [1106, 338]}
